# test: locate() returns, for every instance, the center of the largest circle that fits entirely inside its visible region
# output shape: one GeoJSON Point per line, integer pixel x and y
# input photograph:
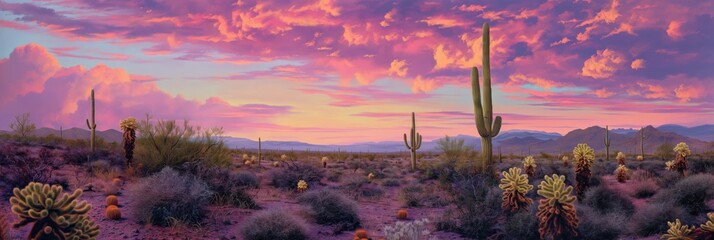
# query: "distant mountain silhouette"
{"type": "Point", "coordinates": [514, 141]}
{"type": "Point", "coordinates": [703, 132]}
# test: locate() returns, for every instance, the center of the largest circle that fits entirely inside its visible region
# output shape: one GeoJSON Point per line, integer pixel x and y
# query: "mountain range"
{"type": "Point", "coordinates": [698, 138]}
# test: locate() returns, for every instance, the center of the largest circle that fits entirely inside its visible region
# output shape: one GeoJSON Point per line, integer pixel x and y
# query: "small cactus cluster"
{"type": "Point", "coordinates": [620, 158]}
{"type": "Point", "coordinates": [360, 234]}
{"type": "Point", "coordinates": [680, 162]}
{"type": "Point", "coordinates": [302, 186]}
{"type": "Point", "coordinates": [621, 173]}
{"type": "Point", "coordinates": [679, 231]}
{"type": "Point", "coordinates": [529, 165]}
{"type": "Point", "coordinates": [557, 216]}
{"type": "Point", "coordinates": [515, 187]}
{"type": "Point", "coordinates": [113, 212]}
{"type": "Point", "coordinates": [402, 214]}
{"type": "Point", "coordinates": [54, 217]}
{"type": "Point", "coordinates": [565, 161]}
{"type": "Point", "coordinates": [584, 156]}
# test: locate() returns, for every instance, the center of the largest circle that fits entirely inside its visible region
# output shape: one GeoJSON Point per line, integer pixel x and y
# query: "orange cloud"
{"type": "Point", "coordinates": [444, 21]}
{"type": "Point", "coordinates": [398, 67]}
{"type": "Point", "coordinates": [471, 8]}
{"type": "Point", "coordinates": [686, 93]}
{"type": "Point", "coordinates": [624, 27]}
{"type": "Point", "coordinates": [638, 64]}
{"type": "Point", "coordinates": [603, 93]}
{"type": "Point", "coordinates": [674, 30]}
{"type": "Point", "coordinates": [421, 85]}
{"type": "Point", "coordinates": [653, 91]}
{"type": "Point", "coordinates": [603, 64]}
{"type": "Point", "coordinates": [608, 15]}
{"type": "Point", "coordinates": [561, 42]}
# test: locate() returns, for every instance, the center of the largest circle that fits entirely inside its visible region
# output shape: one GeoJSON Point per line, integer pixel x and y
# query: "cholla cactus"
{"type": "Point", "coordinates": [678, 231]}
{"type": "Point", "coordinates": [284, 157]}
{"type": "Point", "coordinates": [622, 172]}
{"type": "Point", "coordinates": [129, 126]}
{"type": "Point", "coordinates": [370, 176]}
{"type": "Point", "coordinates": [301, 186]}
{"type": "Point", "coordinates": [245, 156]}
{"type": "Point", "coordinates": [669, 165]}
{"type": "Point", "coordinates": [620, 158]}
{"type": "Point", "coordinates": [584, 156]}
{"type": "Point", "coordinates": [565, 160]}
{"type": "Point", "coordinates": [416, 230]}
{"type": "Point", "coordinates": [54, 217]}
{"type": "Point", "coordinates": [529, 165]}
{"type": "Point", "coordinates": [324, 161]}
{"type": "Point", "coordinates": [515, 187]}
{"type": "Point", "coordinates": [709, 225]}
{"type": "Point", "coordinates": [640, 158]}
{"type": "Point", "coordinates": [276, 164]}
{"type": "Point", "coordinates": [680, 163]}
{"type": "Point", "coordinates": [557, 216]}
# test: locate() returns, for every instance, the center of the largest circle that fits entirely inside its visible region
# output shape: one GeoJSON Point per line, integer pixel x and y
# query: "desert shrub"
{"type": "Point", "coordinates": [644, 189]}
{"type": "Point", "coordinates": [288, 177]}
{"type": "Point", "coordinates": [416, 230]}
{"type": "Point", "coordinates": [603, 200]}
{"type": "Point", "coordinates": [664, 151]}
{"type": "Point", "coordinates": [523, 225]}
{"type": "Point", "coordinates": [652, 218]}
{"type": "Point", "coordinates": [597, 226]}
{"type": "Point", "coordinates": [334, 176]}
{"type": "Point", "coordinates": [269, 225]}
{"type": "Point", "coordinates": [166, 143]}
{"type": "Point", "coordinates": [411, 195]}
{"type": "Point", "coordinates": [169, 196]}
{"type": "Point", "coordinates": [667, 179]}
{"type": "Point", "coordinates": [691, 193]}
{"type": "Point", "coordinates": [604, 168]}
{"type": "Point", "coordinates": [390, 182]}
{"type": "Point", "coordinates": [477, 207]}
{"type": "Point", "coordinates": [227, 188]}
{"type": "Point", "coordinates": [19, 167]}
{"type": "Point", "coordinates": [76, 156]}
{"type": "Point", "coordinates": [701, 165]}
{"type": "Point", "coordinates": [328, 207]}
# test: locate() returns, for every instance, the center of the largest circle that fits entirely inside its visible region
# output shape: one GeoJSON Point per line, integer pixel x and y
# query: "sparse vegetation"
{"type": "Point", "coordinates": [328, 207]}
{"type": "Point", "coordinates": [273, 224]}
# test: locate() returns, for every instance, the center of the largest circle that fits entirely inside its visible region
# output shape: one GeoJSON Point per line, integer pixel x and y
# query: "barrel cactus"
{"type": "Point", "coordinates": [557, 216]}
{"type": "Point", "coordinates": [54, 217]}
{"type": "Point", "coordinates": [678, 231]}
{"type": "Point", "coordinates": [515, 187]}
{"type": "Point", "coordinates": [529, 165]}
{"type": "Point", "coordinates": [621, 173]}
{"type": "Point", "coordinates": [680, 162]}
{"type": "Point", "coordinates": [620, 158]}
{"type": "Point", "coordinates": [584, 156]}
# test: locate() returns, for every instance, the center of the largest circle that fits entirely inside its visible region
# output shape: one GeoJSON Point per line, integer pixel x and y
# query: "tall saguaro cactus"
{"type": "Point", "coordinates": [642, 142]}
{"type": "Point", "coordinates": [260, 152]}
{"type": "Point", "coordinates": [415, 140]}
{"type": "Point", "coordinates": [487, 127]}
{"type": "Point", "coordinates": [92, 127]}
{"type": "Point", "coordinates": [607, 143]}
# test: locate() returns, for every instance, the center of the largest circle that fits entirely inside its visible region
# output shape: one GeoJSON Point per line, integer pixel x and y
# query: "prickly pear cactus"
{"type": "Point", "coordinates": [515, 187]}
{"type": "Point", "coordinates": [621, 173]}
{"type": "Point", "coordinates": [584, 156]}
{"type": "Point", "coordinates": [529, 165]}
{"type": "Point", "coordinates": [53, 216]}
{"type": "Point", "coordinates": [557, 216]}
{"type": "Point", "coordinates": [678, 231]}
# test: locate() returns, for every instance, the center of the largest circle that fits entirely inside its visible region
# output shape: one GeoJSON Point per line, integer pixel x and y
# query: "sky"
{"type": "Point", "coordinates": [327, 71]}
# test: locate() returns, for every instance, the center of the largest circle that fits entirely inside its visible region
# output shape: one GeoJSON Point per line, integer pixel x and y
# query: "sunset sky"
{"type": "Point", "coordinates": [328, 71]}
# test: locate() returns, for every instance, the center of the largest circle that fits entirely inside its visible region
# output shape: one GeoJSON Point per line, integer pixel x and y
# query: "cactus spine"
{"type": "Point", "coordinates": [607, 143]}
{"type": "Point", "coordinates": [92, 127]}
{"type": "Point", "coordinates": [485, 124]}
{"type": "Point", "coordinates": [415, 140]}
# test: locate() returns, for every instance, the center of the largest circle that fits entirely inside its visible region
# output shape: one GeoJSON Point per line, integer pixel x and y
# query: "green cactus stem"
{"type": "Point", "coordinates": [642, 142]}
{"type": "Point", "coordinates": [260, 151]}
{"type": "Point", "coordinates": [607, 143]}
{"type": "Point", "coordinates": [92, 127]}
{"type": "Point", "coordinates": [414, 142]}
{"type": "Point", "coordinates": [486, 126]}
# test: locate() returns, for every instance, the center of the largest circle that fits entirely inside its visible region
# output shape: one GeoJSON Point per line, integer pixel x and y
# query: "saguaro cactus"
{"type": "Point", "coordinates": [607, 143]}
{"type": "Point", "coordinates": [415, 140]}
{"type": "Point", "coordinates": [485, 124]}
{"type": "Point", "coordinates": [54, 217]}
{"type": "Point", "coordinates": [260, 151]}
{"type": "Point", "coordinates": [642, 142]}
{"type": "Point", "coordinates": [92, 127]}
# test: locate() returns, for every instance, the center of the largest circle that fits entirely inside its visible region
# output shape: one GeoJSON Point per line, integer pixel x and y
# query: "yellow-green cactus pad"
{"type": "Point", "coordinates": [585, 153]}
{"type": "Point", "coordinates": [514, 181]}
{"type": "Point", "coordinates": [553, 188]}
{"type": "Point", "coordinates": [529, 161]}
{"type": "Point", "coordinates": [678, 231]}
{"type": "Point", "coordinates": [128, 123]}
{"type": "Point", "coordinates": [682, 149]}
{"type": "Point", "coordinates": [709, 225]}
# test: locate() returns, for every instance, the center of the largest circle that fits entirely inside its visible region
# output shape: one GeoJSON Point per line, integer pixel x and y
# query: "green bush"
{"type": "Point", "coordinates": [167, 197]}
{"type": "Point", "coordinates": [603, 201]}
{"type": "Point", "coordinates": [692, 193]}
{"type": "Point", "coordinates": [168, 144]}
{"type": "Point", "coordinates": [270, 225]}
{"type": "Point", "coordinates": [328, 207]}
{"type": "Point", "coordinates": [291, 174]}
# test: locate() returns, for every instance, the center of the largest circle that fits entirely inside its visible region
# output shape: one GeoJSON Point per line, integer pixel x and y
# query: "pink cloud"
{"type": "Point", "coordinates": [638, 64]}
{"type": "Point", "coordinates": [603, 64]}
{"type": "Point", "coordinates": [687, 93]}
{"type": "Point", "coordinates": [25, 71]}
{"type": "Point", "coordinates": [674, 30]}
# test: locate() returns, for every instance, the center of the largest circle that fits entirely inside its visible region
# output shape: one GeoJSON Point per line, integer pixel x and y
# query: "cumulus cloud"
{"type": "Point", "coordinates": [686, 93]}
{"type": "Point", "coordinates": [638, 64]}
{"type": "Point", "coordinates": [398, 67]}
{"type": "Point", "coordinates": [674, 30]}
{"type": "Point", "coordinates": [25, 71]}
{"type": "Point", "coordinates": [603, 93]}
{"type": "Point", "coordinates": [603, 64]}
